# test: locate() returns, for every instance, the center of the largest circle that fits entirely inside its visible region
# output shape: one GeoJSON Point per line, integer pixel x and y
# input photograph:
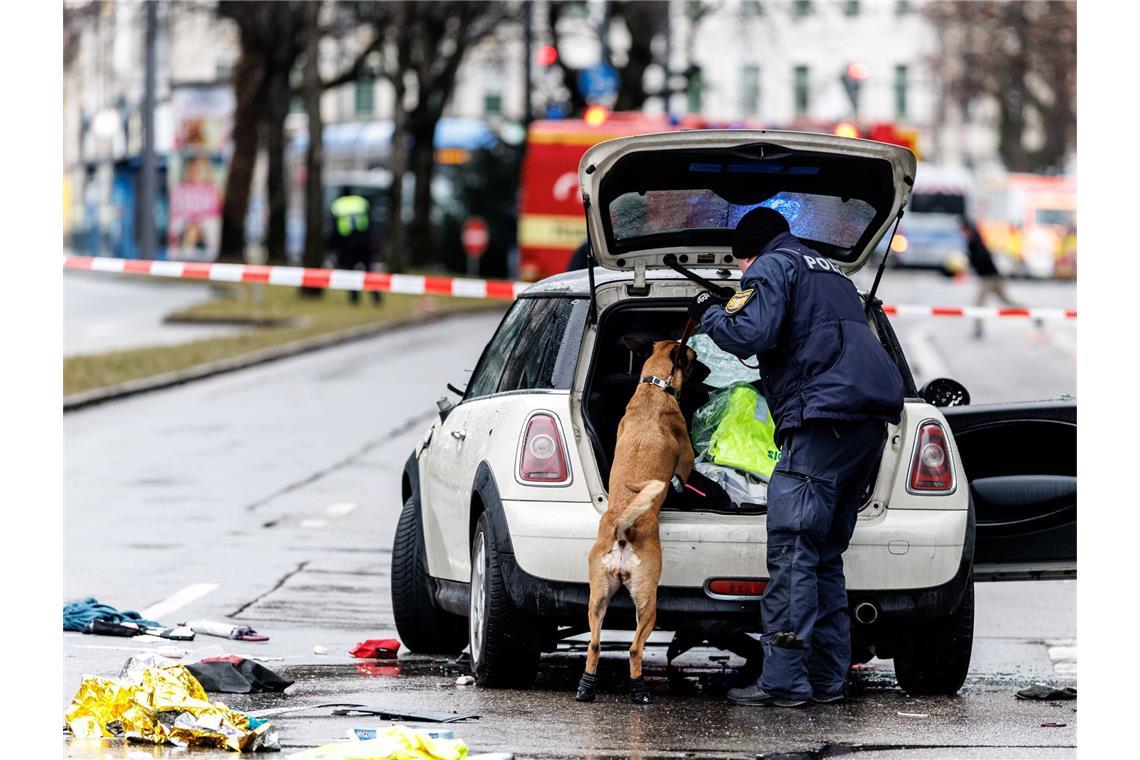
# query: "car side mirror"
{"type": "Point", "coordinates": [942, 391]}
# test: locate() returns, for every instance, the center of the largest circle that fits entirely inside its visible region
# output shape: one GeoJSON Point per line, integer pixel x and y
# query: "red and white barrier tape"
{"type": "Point", "coordinates": [333, 279]}
{"type": "Point", "coordinates": [975, 312]}
{"type": "Point", "coordinates": [458, 287]}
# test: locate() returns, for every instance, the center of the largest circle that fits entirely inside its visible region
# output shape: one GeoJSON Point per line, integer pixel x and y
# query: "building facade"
{"type": "Point", "coordinates": [778, 63]}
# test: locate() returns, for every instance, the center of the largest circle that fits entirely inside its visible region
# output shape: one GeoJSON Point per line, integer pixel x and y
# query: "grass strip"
{"type": "Point", "coordinates": [291, 318]}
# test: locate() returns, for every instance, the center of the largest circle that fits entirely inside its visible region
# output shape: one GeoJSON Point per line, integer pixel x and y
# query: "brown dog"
{"type": "Point", "coordinates": [652, 447]}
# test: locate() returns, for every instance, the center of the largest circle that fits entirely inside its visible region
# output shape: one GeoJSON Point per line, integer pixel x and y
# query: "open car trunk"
{"type": "Point", "coordinates": [613, 378]}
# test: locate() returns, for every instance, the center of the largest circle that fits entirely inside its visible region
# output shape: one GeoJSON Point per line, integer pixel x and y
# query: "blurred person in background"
{"type": "Point", "coordinates": [349, 240]}
{"type": "Point", "coordinates": [982, 262]}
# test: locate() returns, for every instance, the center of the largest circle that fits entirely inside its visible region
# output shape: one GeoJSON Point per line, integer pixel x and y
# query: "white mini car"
{"type": "Point", "coordinates": [502, 496]}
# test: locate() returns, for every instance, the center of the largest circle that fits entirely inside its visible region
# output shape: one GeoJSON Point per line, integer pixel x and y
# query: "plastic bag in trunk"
{"type": "Point", "coordinates": [735, 429]}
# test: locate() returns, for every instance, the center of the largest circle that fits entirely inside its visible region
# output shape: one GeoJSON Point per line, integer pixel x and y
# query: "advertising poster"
{"type": "Point", "coordinates": [203, 116]}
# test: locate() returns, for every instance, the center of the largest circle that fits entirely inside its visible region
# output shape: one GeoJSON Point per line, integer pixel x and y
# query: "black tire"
{"type": "Point", "coordinates": [424, 628]}
{"type": "Point", "coordinates": [505, 644]}
{"type": "Point", "coordinates": [935, 656]}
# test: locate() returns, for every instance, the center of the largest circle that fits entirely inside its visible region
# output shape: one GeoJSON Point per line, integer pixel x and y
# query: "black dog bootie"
{"type": "Point", "coordinates": [638, 694]}
{"type": "Point", "coordinates": [586, 688]}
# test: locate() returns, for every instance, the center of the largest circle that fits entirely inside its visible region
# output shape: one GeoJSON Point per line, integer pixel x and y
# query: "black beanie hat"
{"type": "Point", "coordinates": [755, 229]}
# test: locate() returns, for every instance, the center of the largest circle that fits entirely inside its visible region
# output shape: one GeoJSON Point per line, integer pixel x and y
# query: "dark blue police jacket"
{"type": "Point", "coordinates": [803, 319]}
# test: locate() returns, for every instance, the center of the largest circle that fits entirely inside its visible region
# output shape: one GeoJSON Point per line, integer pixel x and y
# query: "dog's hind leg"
{"type": "Point", "coordinates": [602, 588]}
{"type": "Point", "coordinates": [643, 590]}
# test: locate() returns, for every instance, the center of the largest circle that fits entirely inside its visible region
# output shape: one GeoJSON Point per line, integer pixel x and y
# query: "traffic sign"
{"type": "Point", "coordinates": [475, 236]}
{"type": "Point", "coordinates": [598, 82]}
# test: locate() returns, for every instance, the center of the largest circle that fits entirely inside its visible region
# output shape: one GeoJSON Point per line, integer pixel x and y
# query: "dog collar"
{"type": "Point", "coordinates": [665, 385]}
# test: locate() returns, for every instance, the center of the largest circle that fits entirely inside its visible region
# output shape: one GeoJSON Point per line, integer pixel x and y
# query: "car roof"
{"type": "Point", "coordinates": [576, 284]}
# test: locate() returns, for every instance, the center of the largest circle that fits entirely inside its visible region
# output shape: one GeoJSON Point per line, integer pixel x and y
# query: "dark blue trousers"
{"type": "Point", "coordinates": [813, 501]}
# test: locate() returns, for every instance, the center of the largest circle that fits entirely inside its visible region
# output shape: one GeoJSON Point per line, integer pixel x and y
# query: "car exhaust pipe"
{"type": "Point", "coordinates": [866, 613]}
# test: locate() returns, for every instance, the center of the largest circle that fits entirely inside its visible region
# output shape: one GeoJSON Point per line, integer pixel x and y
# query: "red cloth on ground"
{"type": "Point", "coordinates": [383, 649]}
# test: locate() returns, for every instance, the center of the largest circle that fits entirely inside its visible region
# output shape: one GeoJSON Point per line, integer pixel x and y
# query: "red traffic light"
{"type": "Point", "coordinates": [546, 55]}
{"type": "Point", "coordinates": [858, 71]}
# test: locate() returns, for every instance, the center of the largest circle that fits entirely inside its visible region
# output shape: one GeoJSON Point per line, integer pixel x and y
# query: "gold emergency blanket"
{"type": "Point", "coordinates": [164, 704]}
{"type": "Point", "coordinates": [395, 743]}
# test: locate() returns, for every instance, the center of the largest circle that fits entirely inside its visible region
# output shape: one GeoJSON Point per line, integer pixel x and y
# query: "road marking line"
{"type": "Point", "coordinates": [178, 600]}
{"type": "Point", "coordinates": [314, 523]}
{"type": "Point", "coordinates": [930, 363]}
{"type": "Point", "coordinates": [340, 508]}
{"type": "Point", "coordinates": [1063, 655]}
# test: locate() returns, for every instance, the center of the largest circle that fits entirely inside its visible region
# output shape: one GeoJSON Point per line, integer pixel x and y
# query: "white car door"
{"type": "Point", "coordinates": [457, 447]}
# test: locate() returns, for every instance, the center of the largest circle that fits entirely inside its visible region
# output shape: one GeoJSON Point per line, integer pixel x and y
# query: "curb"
{"type": "Point", "coordinates": [142, 385]}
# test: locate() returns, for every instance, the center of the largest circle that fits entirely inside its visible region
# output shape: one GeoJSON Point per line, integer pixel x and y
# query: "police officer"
{"type": "Point", "coordinates": [831, 388]}
{"type": "Point", "coordinates": [350, 237]}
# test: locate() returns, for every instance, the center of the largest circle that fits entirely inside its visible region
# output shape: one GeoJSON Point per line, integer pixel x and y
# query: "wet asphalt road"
{"type": "Point", "coordinates": [268, 497]}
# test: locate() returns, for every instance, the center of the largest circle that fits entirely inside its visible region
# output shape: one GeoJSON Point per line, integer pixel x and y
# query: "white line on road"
{"type": "Point", "coordinates": [314, 523]}
{"type": "Point", "coordinates": [177, 601]}
{"type": "Point", "coordinates": [340, 508]}
{"type": "Point", "coordinates": [920, 346]}
{"type": "Point", "coordinates": [1063, 654]}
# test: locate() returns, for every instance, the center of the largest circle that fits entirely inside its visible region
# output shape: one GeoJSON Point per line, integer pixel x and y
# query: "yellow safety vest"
{"type": "Point", "coordinates": [350, 212]}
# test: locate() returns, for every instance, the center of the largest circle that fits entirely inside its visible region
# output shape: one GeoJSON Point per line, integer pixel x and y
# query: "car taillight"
{"type": "Point", "coordinates": [931, 471]}
{"type": "Point", "coordinates": [736, 587]}
{"type": "Point", "coordinates": [542, 459]}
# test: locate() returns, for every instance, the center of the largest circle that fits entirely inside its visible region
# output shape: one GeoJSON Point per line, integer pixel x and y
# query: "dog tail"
{"type": "Point", "coordinates": [647, 494]}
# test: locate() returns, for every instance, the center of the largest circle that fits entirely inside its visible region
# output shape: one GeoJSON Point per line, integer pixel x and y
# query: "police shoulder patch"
{"type": "Point", "coordinates": [737, 302]}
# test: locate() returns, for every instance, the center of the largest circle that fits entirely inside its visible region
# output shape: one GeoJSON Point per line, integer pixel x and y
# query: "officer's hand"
{"type": "Point", "coordinates": [704, 301]}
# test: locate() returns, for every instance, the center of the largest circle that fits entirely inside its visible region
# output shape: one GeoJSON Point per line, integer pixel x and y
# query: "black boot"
{"type": "Point", "coordinates": [638, 694]}
{"type": "Point", "coordinates": [586, 686]}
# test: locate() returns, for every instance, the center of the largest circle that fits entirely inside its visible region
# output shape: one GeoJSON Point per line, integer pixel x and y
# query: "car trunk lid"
{"type": "Point", "coordinates": [682, 193]}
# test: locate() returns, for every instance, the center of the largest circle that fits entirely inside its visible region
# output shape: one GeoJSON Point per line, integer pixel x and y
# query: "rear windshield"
{"type": "Point", "coordinates": [694, 197]}
{"type": "Point", "coordinates": [821, 218]}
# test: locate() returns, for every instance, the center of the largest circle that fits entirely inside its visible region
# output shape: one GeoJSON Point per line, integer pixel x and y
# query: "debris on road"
{"type": "Point", "coordinates": [1046, 693]}
{"type": "Point", "coordinates": [165, 705]}
{"type": "Point", "coordinates": [82, 615]}
{"type": "Point", "coordinates": [1053, 724]}
{"type": "Point", "coordinates": [365, 734]}
{"type": "Point", "coordinates": [396, 742]}
{"type": "Point", "coordinates": [236, 675]}
{"type": "Point", "coordinates": [423, 716]}
{"type": "Point", "coordinates": [381, 649]}
{"type": "Point", "coordinates": [465, 681]}
{"type": "Point", "coordinates": [318, 649]}
{"type": "Point", "coordinates": [174, 653]}
{"type": "Point", "coordinates": [275, 711]}
{"type": "Point", "coordinates": [227, 630]}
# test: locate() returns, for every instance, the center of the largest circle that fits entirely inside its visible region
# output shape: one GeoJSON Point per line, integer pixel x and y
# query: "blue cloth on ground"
{"type": "Point", "coordinates": [77, 616]}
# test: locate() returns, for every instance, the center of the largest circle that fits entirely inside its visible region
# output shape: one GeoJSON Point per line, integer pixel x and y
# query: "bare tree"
{"type": "Point", "coordinates": [424, 45]}
{"type": "Point", "coordinates": [645, 22]}
{"type": "Point", "coordinates": [1022, 56]}
{"type": "Point", "coordinates": [269, 47]}
{"type": "Point", "coordinates": [314, 255]}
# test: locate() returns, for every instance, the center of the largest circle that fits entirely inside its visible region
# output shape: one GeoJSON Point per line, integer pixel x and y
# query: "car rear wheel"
{"type": "Point", "coordinates": [935, 656]}
{"type": "Point", "coordinates": [504, 643]}
{"type": "Point", "coordinates": [423, 627]}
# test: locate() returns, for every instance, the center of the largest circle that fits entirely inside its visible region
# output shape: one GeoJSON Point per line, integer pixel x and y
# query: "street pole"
{"type": "Point", "coordinates": [148, 185]}
{"type": "Point", "coordinates": [528, 46]}
{"type": "Point", "coordinates": [668, 88]}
